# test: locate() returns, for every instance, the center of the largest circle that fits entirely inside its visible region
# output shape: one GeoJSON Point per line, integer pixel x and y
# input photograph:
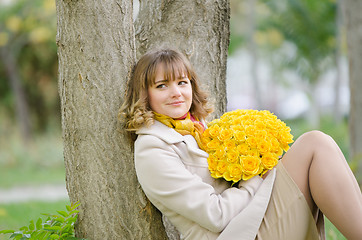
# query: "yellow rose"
{"type": "Point", "coordinates": [279, 151]}
{"type": "Point", "coordinates": [214, 131]}
{"type": "Point", "coordinates": [205, 140]}
{"type": "Point", "coordinates": [229, 144]}
{"type": "Point", "coordinates": [225, 134]}
{"type": "Point", "coordinates": [269, 160]}
{"type": "Point", "coordinates": [240, 136]}
{"type": "Point", "coordinates": [221, 168]}
{"type": "Point", "coordinates": [273, 133]}
{"type": "Point", "coordinates": [243, 148]}
{"type": "Point", "coordinates": [206, 134]}
{"type": "Point", "coordinates": [214, 175]}
{"type": "Point", "coordinates": [261, 134]}
{"type": "Point", "coordinates": [270, 125]}
{"type": "Point", "coordinates": [212, 161]}
{"type": "Point", "coordinates": [213, 144]}
{"type": "Point", "coordinates": [274, 144]}
{"type": "Point", "coordinates": [252, 141]}
{"type": "Point", "coordinates": [286, 137]}
{"type": "Point", "coordinates": [237, 127]}
{"type": "Point", "coordinates": [260, 124]}
{"type": "Point", "coordinates": [250, 130]}
{"type": "Point", "coordinates": [253, 153]}
{"type": "Point", "coordinates": [233, 173]}
{"type": "Point", "coordinates": [264, 146]}
{"type": "Point", "coordinates": [246, 176]}
{"type": "Point", "coordinates": [220, 153]}
{"type": "Point", "coordinates": [213, 122]}
{"type": "Point", "coordinates": [232, 156]}
{"type": "Point", "coordinates": [250, 165]}
{"type": "Point", "coordinates": [225, 117]}
{"type": "Point", "coordinates": [285, 146]}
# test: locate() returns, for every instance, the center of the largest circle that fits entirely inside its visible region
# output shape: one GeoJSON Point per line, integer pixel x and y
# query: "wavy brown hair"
{"type": "Point", "coordinates": [135, 111]}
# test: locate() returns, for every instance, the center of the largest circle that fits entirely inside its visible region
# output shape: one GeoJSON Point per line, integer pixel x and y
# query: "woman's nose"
{"type": "Point", "coordinates": [175, 91]}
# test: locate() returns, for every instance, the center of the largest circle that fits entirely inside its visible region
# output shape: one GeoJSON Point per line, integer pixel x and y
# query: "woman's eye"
{"type": "Point", "coordinates": [161, 86]}
{"type": "Point", "coordinates": [183, 82]}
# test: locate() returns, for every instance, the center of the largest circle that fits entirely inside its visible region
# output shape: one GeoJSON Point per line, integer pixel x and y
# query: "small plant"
{"type": "Point", "coordinates": [55, 226]}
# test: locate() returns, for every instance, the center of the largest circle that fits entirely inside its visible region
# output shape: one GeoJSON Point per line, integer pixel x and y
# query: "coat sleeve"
{"type": "Point", "coordinates": [168, 184]}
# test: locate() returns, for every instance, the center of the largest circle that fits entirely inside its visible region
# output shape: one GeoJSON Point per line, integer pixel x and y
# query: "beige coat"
{"type": "Point", "coordinates": [173, 173]}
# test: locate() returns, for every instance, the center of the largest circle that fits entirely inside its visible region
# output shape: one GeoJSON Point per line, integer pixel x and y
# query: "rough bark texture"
{"type": "Point", "coordinates": [96, 51]}
{"type": "Point", "coordinates": [198, 28]}
{"type": "Point", "coordinates": [354, 40]}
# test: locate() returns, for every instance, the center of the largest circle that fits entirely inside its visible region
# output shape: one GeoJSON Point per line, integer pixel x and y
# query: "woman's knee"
{"type": "Point", "coordinates": [321, 146]}
{"type": "Point", "coordinates": [306, 147]}
{"type": "Point", "coordinates": [317, 139]}
{"type": "Point", "coordinates": [314, 134]}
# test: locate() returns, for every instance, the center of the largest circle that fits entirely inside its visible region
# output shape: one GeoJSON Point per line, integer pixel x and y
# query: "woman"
{"type": "Point", "coordinates": [163, 95]}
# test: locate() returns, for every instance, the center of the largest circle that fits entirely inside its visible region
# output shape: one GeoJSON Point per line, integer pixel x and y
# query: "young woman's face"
{"type": "Point", "coordinates": [172, 98]}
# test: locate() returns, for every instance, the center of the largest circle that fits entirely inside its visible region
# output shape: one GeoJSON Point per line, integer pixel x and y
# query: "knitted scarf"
{"type": "Point", "coordinates": [185, 126]}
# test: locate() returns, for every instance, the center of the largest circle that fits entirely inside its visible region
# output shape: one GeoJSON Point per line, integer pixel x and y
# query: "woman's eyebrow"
{"type": "Point", "coordinates": [161, 81]}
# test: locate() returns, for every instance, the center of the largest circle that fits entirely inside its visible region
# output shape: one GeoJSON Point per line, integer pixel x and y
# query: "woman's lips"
{"type": "Point", "coordinates": [176, 103]}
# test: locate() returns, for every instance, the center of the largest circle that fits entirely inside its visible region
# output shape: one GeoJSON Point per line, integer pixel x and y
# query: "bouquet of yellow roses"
{"type": "Point", "coordinates": [245, 143]}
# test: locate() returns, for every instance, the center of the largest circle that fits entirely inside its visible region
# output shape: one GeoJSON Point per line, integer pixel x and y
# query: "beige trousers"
{"type": "Point", "coordinates": [288, 216]}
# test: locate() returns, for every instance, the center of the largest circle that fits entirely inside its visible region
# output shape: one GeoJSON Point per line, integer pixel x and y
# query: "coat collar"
{"type": "Point", "coordinates": [161, 131]}
{"type": "Point", "coordinates": [170, 136]}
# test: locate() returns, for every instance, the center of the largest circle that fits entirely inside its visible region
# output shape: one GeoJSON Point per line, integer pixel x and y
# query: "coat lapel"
{"type": "Point", "coordinates": [170, 136]}
{"type": "Point", "coordinates": [161, 131]}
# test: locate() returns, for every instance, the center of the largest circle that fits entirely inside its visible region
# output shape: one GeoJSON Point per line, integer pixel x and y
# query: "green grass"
{"type": "Point", "coordinates": [37, 162]}
{"type": "Point", "coordinates": [16, 215]}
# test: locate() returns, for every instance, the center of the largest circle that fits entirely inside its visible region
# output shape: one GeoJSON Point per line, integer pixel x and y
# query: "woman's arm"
{"type": "Point", "coordinates": [167, 183]}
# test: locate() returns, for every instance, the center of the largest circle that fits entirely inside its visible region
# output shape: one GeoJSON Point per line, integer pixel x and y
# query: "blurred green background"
{"type": "Point", "coordinates": [287, 56]}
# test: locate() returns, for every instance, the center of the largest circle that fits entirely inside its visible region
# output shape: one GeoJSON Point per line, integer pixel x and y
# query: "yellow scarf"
{"type": "Point", "coordinates": [183, 126]}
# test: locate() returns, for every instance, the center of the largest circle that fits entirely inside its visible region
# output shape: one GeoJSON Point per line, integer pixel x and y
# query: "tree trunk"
{"type": "Point", "coordinates": [353, 15]}
{"type": "Point", "coordinates": [200, 29]}
{"type": "Point", "coordinates": [96, 53]}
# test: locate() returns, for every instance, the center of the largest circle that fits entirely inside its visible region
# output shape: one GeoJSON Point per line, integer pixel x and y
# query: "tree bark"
{"type": "Point", "coordinates": [96, 53]}
{"type": "Point", "coordinates": [200, 29]}
{"type": "Point", "coordinates": [353, 15]}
